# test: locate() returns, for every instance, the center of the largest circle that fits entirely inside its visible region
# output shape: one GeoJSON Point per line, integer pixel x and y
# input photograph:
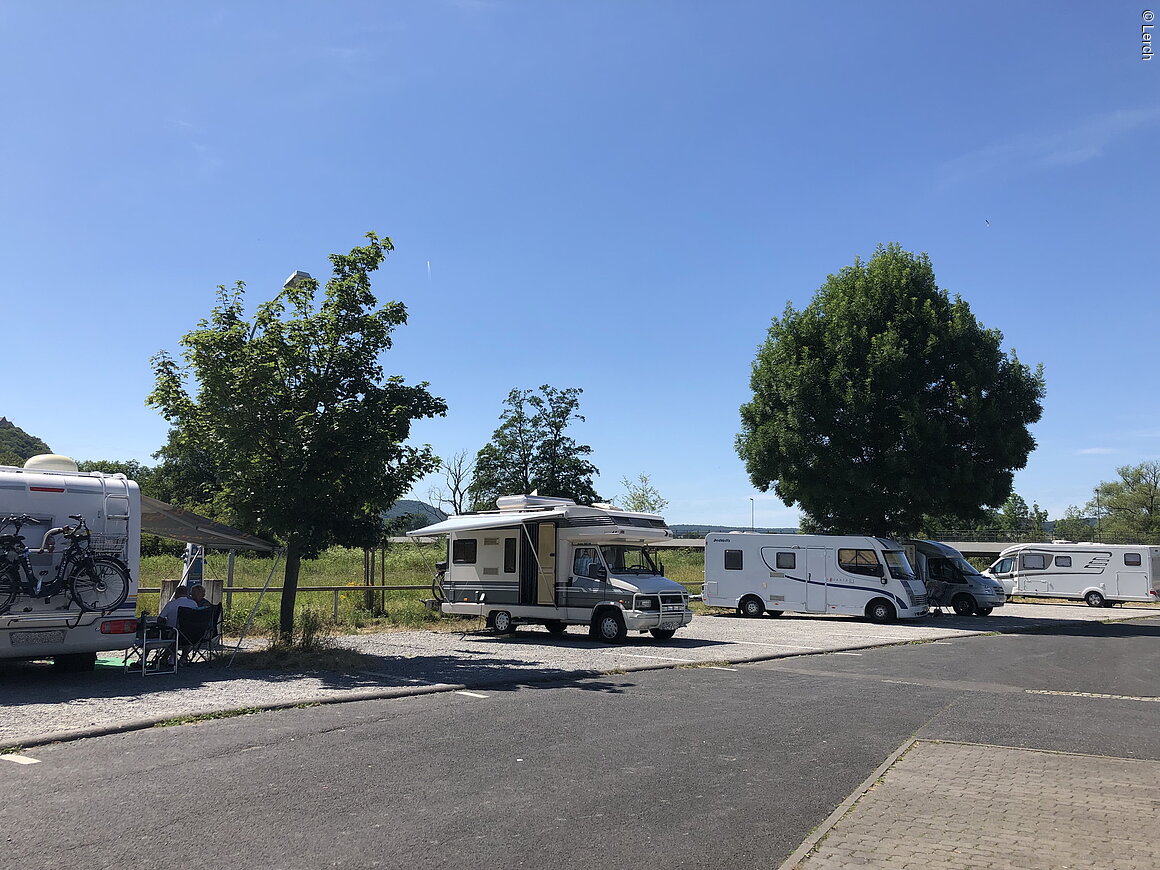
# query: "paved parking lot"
{"type": "Point", "coordinates": [39, 704]}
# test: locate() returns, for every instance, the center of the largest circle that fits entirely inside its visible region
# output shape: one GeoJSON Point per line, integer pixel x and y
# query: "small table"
{"type": "Point", "coordinates": [154, 649]}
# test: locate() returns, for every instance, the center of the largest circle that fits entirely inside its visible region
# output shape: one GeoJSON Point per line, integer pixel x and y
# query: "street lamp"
{"type": "Point", "coordinates": [751, 526]}
{"type": "Point", "coordinates": [294, 280]}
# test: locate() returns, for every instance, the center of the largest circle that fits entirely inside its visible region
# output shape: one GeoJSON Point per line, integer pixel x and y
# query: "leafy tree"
{"type": "Point", "coordinates": [883, 400]}
{"type": "Point", "coordinates": [1129, 508]}
{"type": "Point", "coordinates": [16, 445]}
{"type": "Point", "coordinates": [294, 431]}
{"type": "Point", "coordinates": [1073, 526]}
{"type": "Point", "coordinates": [453, 495]}
{"type": "Point", "coordinates": [530, 451]}
{"type": "Point", "coordinates": [641, 496]}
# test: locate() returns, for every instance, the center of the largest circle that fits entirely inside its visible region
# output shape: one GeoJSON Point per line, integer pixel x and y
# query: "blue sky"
{"type": "Point", "coordinates": [616, 196]}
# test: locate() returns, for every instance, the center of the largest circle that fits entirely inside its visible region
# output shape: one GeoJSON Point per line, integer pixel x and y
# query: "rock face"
{"type": "Point", "coordinates": [16, 445]}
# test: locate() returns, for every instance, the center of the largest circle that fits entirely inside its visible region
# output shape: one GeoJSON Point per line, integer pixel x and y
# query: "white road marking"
{"type": "Point", "coordinates": [662, 658]}
{"type": "Point", "coordinates": [940, 643]}
{"type": "Point", "coordinates": [719, 668]}
{"type": "Point", "coordinates": [847, 654]}
{"type": "Point", "coordinates": [1093, 695]}
{"type": "Point", "coordinates": [471, 694]}
{"type": "Point", "coordinates": [20, 759]}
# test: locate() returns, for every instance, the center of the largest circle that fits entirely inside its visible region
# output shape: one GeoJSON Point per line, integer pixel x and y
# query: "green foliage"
{"type": "Point", "coordinates": [641, 496]}
{"type": "Point", "coordinates": [1073, 526]}
{"type": "Point", "coordinates": [531, 452]}
{"type": "Point", "coordinates": [293, 431]}
{"type": "Point", "coordinates": [1129, 508]}
{"type": "Point", "coordinates": [884, 400]}
{"type": "Point", "coordinates": [16, 445]}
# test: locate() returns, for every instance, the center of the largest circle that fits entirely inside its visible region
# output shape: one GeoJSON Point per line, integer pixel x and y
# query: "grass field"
{"type": "Point", "coordinates": [409, 564]}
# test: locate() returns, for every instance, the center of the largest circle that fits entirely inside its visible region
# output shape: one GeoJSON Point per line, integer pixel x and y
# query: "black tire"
{"type": "Point", "coordinates": [880, 610]}
{"type": "Point", "coordinates": [1094, 599]}
{"type": "Point", "coordinates": [983, 611]}
{"type": "Point", "coordinates": [1108, 603]}
{"type": "Point", "coordinates": [9, 589]}
{"type": "Point", "coordinates": [555, 627]}
{"type": "Point", "coordinates": [502, 622]}
{"type": "Point", "coordinates": [751, 607]}
{"type": "Point", "coordinates": [775, 612]}
{"type": "Point", "coordinates": [963, 604]}
{"type": "Point", "coordinates": [75, 662]}
{"type": "Point", "coordinates": [608, 626]}
{"type": "Point", "coordinates": [662, 633]}
{"type": "Point", "coordinates": [101, 583]}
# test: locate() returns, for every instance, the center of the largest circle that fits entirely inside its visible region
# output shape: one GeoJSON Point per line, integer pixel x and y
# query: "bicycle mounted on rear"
{"type": "Point", "coordinates": [93, 582]}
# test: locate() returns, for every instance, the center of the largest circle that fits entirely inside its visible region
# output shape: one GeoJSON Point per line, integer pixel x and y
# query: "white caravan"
{"type": "Point", "coordinates": [50, 489]}
{"type": "Point", "coordinates": [854, 574]}
{"type": "Point", "coordinates": [964, 589]}
{"type": "Point", "coordinates": [1101, 574]}
{"type": "Point", "coordinates": [553, 562]}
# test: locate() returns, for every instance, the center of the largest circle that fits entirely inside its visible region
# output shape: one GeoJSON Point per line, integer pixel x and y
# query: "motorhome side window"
{"type": "Point", "coordinates": [733, 560]}
{"type": "Point", "coordinates": [786, 560]}
{"type": "Point", "coordinates": [1005, 566]}
{"type": "Point", "coordinates": [509, 555]}
{"type": "Point", "coordinates": [1131, 558]}
{"type": "Point", "coordinates": [859, 562]}
{"type": "Point", "coordinates": [1063, 561]}
{"type": "Point", "coordinates": [1034, 561]}
{"type": "Point", "coordinates": [463, 551]}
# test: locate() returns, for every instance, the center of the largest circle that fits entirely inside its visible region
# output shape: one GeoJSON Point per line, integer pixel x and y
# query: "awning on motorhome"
{"type": "Point", "coordinates": [486, 521]}
{"type": "Point", "coordinates": [178, 524]}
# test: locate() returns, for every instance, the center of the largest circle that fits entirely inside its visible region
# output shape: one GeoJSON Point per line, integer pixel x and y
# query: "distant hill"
{"type": "Point", "coordinates": [16, 445]}
{"type": "Point", "coordinates": [422, 514]}
{"type": "Point", "coordinates": [684, 530]}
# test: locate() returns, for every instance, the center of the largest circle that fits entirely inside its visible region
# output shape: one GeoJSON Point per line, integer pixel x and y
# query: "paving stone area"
{"type": "Point", "coordinates": [948, 806]}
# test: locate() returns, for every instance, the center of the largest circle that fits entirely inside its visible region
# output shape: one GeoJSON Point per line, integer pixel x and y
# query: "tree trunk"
{"type": "Point", "coordinates": [289, 589]}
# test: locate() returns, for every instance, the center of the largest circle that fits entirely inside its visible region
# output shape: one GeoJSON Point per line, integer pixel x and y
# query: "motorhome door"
{"type": "Point", "coordinates": [546, 557]}
{"type": "Point", "coordinates": [816, 588]}
{"type": "Point", "coordinates": [1132, 580]}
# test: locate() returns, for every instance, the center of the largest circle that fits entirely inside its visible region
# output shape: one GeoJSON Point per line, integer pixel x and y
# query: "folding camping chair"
{"type": "Point", "coordinates": [195, 628]}
{"type": "Point", "coordinates": [154, 649]}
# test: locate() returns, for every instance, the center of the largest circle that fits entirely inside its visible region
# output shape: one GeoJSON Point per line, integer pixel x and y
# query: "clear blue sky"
{"type": "Point", "coordinates": [612, 195]}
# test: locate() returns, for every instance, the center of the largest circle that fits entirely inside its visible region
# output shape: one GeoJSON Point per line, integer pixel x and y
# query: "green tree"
{"type": "Point", "coordinates": [883, 400]}
{"type": "Point", "coordinates": [1129, 508]}
{"type": "Point", "coordinates": [1013, 516]}
{"type": "Point", "coordinates": [531, 450]}
{"type": "Point", "coordinates": [641, 496]}
{"type": "Point", "coordinates": [300, 434]}
{"type": "Point", "coordinates": [16, 445]}
{"type": "Point", "coordinates": [1073, 526]}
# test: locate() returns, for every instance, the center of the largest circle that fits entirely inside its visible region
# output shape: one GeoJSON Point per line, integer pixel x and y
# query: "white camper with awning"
{"type": "Point", "coordinates": [552, 562]}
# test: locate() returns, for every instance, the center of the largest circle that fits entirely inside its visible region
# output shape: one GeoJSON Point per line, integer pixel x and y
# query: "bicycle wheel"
{"type": "Point", "coordinates": [9, 589]}
{"type": "Point", "coordinates": [100, 583]}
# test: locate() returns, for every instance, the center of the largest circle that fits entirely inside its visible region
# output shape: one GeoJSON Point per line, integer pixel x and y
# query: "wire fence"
{"type": "Point", "coordinates": [1036, 536]}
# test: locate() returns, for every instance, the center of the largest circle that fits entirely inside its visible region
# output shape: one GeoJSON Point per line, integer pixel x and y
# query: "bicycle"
{"type": "Point", "coordinates": [94, 582]}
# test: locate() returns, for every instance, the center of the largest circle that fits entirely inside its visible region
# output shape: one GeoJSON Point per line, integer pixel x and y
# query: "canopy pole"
{"type": "Point", "coordinates": [257, 604]}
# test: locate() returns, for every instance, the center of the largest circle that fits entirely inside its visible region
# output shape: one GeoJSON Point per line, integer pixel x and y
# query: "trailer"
{"type": "Point", "coordinates": [552, 562]}
{"type": "Point", "coordinates": [1100, 574]}
{"type": "Point", "coordinates": [50, 489]}
{"type": "Point", "coordinates": [775, 573]}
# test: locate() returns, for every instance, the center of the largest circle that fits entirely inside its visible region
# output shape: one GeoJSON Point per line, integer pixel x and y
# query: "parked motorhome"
{"type": "Point", "coordinates": [553, 562]}
{"type": "Point", "coordinates": [963, 588]}
{"type": "Point", "coordinates": [50, 489]}
{"type": "Point", "coordinates": [775, 573]}
{"type": "Point", "coordinates": [1100, 574]}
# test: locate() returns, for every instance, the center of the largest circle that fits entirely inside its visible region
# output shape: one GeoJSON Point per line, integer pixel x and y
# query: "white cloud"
{"type": "Point", "coordinates": [1096, 451]}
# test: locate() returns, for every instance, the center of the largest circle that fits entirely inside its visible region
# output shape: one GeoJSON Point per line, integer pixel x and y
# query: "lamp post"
{"type": "Point", "coordinates": [751, 526]}
{"type": "Point", "coordinates": [295, 279]}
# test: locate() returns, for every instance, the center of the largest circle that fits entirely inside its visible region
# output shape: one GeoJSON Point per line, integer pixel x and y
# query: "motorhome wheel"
{"type": "Point", "coordinates": [983, 611]}
{"type": "Point", "coordinates": [662, 633]}
{"type": "Point", "coordinates": [556, 627]}
{"type": "Point", "coordinates": [881, 610]}
{"type": "Point", "coordinates": [608, 626]}
{"type": "Point", "coordinates": [963, 604]}
{"type": "Point", "coordinates": [502, 622]}
{"type": "Point", "coordinates": [751, 606]}
{"type": "Point", "coordinates": [1094, 599]}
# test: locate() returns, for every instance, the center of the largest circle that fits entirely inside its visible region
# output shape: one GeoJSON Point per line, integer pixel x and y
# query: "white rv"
{"type": "Point", "coordinates": [1100, 574]}
{"type": "Point", "coordinates": [50, 489]}
{"type": "Point", "coordinates": [553, 562]}
{"type": "Point", "coordinates": [853, 574]}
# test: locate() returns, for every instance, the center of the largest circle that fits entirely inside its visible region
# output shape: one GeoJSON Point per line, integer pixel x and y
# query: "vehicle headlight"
{"type": "Point", "coordinates": [646, 604]}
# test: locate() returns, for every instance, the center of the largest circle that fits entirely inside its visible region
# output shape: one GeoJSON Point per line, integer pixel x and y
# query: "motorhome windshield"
{"type": "Point", "coordinates": [954, 565]}
{"type": "Point", "coordinates": [624, 559]}
{"type": "Point", "coordinates": [899, 567]}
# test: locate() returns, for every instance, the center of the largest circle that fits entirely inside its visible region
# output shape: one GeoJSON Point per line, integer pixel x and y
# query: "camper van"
{"type": "Point", "coordinates": [50, 489]}
{"type": "Point", "coordinates": [1100, 574]}
{"type": "Point", "coordinates": [965, 590]}
{"type": "Point", "coordinates": [550, 561]}
{"type": "Point", "coordinates": [853, 574]}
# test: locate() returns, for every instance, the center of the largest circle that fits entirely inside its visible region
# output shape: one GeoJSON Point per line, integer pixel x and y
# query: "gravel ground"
{"type": "Point", "coordinates": [39, 705]}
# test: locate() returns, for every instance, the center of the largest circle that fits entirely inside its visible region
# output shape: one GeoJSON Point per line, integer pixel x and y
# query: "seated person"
{"type": "Point", "coordinates": [197, 596]}
{"type": "Point", "coordinates": [180, 599]}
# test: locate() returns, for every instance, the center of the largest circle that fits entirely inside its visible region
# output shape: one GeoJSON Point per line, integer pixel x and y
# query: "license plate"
{"type": "Point", "coordinates": [30, 638]}
{"type": "Point", "coordinates": [670, 625]}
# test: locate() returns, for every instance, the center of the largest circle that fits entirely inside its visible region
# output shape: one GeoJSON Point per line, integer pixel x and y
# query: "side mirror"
{"type": "Point", "coordinates": [596, 571]}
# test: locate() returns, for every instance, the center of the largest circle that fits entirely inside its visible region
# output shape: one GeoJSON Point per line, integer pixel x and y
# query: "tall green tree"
{"type": "Point", "coordinates": [286, 423]}
{"type": "Point", "coordinates": [1129, 508]}
{"type": "Point", "coordinates": [885, 399]}
{"type": "Point", "coordinates": [641, 496]}
{"type": "Point", "coordinates": [532, 450]}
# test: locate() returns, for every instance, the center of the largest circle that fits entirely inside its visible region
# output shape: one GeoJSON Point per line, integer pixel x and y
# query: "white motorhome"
{"type": "Point", "coordinates": [942, 567]}
{"type": "Point", "coordinates": [1100, 574]}
{"type": "Point", "coordinates": [773, 573]}
{"type": "Point", "coordinates": [50, 489]}
{"type": "Point", "coordinates": [553, 562]}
